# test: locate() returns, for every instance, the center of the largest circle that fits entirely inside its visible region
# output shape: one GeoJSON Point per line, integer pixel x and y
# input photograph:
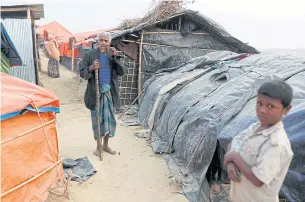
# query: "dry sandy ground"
{"type": "Point", "coordinates": [136, 175]}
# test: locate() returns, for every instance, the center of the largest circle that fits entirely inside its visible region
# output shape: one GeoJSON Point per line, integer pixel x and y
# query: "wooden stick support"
{"type": "Point", "coordinates": [131, 104]}
{"type": "Point", "coordinates": [28, 131]}
{"type": "Point", "coordinates": [97, 111]}
{"type": "Point", "coordinates": [28, 13]}
{"type": "Point", "coordinates": [31, 179]}
{"type": "Point", "coordinates": [179, 23]}
{"type": "Point", "coordinates": [152, 44]}
{"type": "Point", "coordinates": [140, 65]}
{"type": "Point", "coordinates": [176, 32]}
{"type": "Point", "coordinates": [72, 65]}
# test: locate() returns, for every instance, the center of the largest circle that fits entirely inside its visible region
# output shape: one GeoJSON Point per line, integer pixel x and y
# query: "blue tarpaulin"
{"type": "Point", "coordinates": [8, 48]}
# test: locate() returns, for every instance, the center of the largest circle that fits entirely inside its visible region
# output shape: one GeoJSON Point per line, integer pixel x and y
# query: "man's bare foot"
{"type": "Point", "coordinates": [96, 153]}
{"type": "Point", "coordinates": [108, 150]}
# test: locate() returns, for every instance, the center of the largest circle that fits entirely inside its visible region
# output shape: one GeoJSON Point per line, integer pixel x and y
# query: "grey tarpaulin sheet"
{"type": "Point", "coordinates": [166, 76]}
{"type": "Point", "coordinates": [188, 121]}
{"type": "Point", "coordinates": [81, 169]}
{"type": "Point", "coordinates": [175, 50]}
{"type": "Point", "coordinates": [195, 41]}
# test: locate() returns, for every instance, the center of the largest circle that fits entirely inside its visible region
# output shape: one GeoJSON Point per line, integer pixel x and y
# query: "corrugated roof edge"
{"type": "Point", "coordinates": [38, 9]}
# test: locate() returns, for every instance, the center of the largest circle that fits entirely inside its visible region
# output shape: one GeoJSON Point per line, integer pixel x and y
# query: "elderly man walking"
{"type": "Point", "coordinates": [104, 58]}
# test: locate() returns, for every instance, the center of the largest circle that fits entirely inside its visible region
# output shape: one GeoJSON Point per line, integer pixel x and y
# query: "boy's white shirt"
{"type": "Point", "coordinates": [269, 154]}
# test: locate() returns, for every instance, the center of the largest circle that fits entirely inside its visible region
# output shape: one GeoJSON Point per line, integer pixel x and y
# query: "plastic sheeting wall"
{"type": "Point", "coordinates": [20, 32]}
{"type": "Point", "coordinates": [174, 49]}
{"type": "Point", "coordinates": [191, 119]}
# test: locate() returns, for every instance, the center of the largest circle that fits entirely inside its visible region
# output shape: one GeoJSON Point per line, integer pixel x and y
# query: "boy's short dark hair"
{"type": "Point", "coordinates": [277, 90]}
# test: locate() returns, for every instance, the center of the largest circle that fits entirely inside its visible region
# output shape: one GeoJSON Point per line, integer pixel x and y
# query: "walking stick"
{"type": "Point", "coordinates": [97, 111]}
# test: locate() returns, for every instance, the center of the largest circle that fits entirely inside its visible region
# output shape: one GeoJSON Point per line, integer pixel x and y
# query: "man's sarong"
{"type": "Point", "coordinates": [106, 112]}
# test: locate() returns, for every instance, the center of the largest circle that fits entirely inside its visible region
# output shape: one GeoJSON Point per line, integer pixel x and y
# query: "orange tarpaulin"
{"type": "Point", "coordinates": [30, 162]}
{"type": "Point", "coordinates": [61, 33]}
{"type": "Point", "coordinates": [64, 50]}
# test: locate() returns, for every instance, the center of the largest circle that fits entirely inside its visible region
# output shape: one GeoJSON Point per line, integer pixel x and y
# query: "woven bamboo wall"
{"type": "Point", "coordinates": [129, 82]}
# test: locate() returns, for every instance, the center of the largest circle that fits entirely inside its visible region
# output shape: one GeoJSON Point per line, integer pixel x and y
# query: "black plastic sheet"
{"type": "Point", "coordinates": [190, 120]}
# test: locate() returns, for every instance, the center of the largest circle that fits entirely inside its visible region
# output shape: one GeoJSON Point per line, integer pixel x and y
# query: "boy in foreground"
{"type": "Point", "coordinates": [259, 157]}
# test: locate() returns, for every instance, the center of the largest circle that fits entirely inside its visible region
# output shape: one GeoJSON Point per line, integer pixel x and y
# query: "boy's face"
{"type": "Point", "coordinates": [269, 110]}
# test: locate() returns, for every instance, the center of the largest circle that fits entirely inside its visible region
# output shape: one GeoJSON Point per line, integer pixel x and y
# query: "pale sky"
{"type": "Point", "coordinates": [264, 24]}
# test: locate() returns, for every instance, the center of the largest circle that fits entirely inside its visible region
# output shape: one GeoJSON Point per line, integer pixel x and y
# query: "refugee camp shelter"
{"type": "Point", "coordinates": [9, 54]}
{"type": "Point", "coordinates": [30, 162]}
{"type": "Point", "coordinates": [60, 32]}
{"type": "Point", "coordinates": [152, 43]}
{"type": "Point", "coordinates": [194, 110]}
{"type": "Point", "coordinates": [158, 42]}
{"type": "Point", "coordinates": [19, 22]}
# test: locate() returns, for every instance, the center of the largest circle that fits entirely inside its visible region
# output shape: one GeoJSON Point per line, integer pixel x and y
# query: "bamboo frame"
{"type": "Point", "coordinates": [133, 74]}
{"type": "Point", "coordinates": [179, 23]}
{"type": "Point", "coordinates": [28, 13]}
{"type": "Point", "coordinates": [128, 82]}
{"type": "Point", "coordinates": [17, 9]}
{"type": "Point", "coordinates": [128, 87]}
{"type": "Point", "coordinates": [72, 62]}
{"type": "Point", "coordinates": [140, 65]}
{"type": "Point", "coordinates": [177, 32]}
{"type": "Point", "coordinates": [35, 52]}
{"type": "Point", "coordinates": [31, 179]}
{"type": "Point", "coordinates": [46, 136]}
{"type": "Point", "coordinates": [28, 131]}
{"type": "Point", "coordinates": [152, 44]}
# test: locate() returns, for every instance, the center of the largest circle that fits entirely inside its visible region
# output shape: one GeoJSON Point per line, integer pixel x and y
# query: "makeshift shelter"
{"type": "Point", "coordinates": [194, 110]}
{"type": "Point", "coordinates": [30, 163]}
{"type": "Point", "coordinates": [77, 45]}
{"type": "Point", "coordinates": [9, 54]}
{"type": "Point", "coordinates": [161, 42]}
{"type": "Point", "coordinates": [85, 35]}
{"type": "Point", "coordinates": [60, 32]}
{"type": "Point", "coordinates": [22, 17]}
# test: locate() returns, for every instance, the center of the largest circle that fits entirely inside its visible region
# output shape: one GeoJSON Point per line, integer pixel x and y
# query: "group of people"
{"type": "Point", "coordinates": [257, 159]}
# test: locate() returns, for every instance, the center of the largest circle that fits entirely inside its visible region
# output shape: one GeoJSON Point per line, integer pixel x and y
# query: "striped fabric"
{"type": "Point", "coordinates": [107, 118]}
{"type": "Point", "coordinates": [53, 68]}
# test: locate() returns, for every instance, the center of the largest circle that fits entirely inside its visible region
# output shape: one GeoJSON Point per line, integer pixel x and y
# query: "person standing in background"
{"type": "Point", "coordinates": [53, 54]}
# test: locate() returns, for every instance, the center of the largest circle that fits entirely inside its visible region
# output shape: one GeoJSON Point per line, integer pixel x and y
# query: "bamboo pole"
{"type": "Point", "coordinates": [175, 32]}
{"type": "Point", "coordinates": [140, 65]}
{"type": "Point", "coordinates": [18, 9]}
{"type": "Point", "coordinates": [28, 13]}
{"type": "Point", "coordinates": [152, 44]}
{"type": "Point", "coordinates": [31, 179]}
{"type": "Point", "coordinates": [97, 111]}
{"type": "Point", "coordinates": [131, 104]}
{"type": "Point", "coordinates": [72, 62]}
{"type": "Point", "coordinates": [28, 131]}
{"type": "Point", "coordinates": [179, 23]}
{"type": "Point", "coordinates": [35, 52]}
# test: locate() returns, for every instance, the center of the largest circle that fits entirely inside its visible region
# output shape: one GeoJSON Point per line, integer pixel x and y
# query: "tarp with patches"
{"type": "Point", "coordinates": [194, 119]}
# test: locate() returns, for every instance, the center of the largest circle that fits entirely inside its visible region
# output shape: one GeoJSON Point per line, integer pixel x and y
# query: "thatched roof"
{"type": "Point", "coordinates": [202, 21]}
{"type": "Point", "coordinates": [161, 9]}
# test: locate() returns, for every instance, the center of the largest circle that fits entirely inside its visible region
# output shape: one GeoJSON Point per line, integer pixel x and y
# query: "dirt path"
{"type": "Point", "coordinates": [136, 175]}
